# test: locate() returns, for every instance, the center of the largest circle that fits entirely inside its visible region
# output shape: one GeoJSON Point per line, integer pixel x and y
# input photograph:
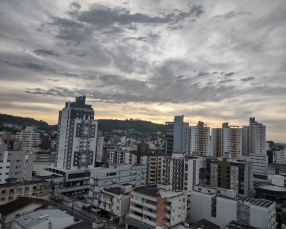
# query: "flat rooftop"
{"type": "Point", "coordinates": [22, 183]}
{"type": "Point", "coordinates": [235, 225]}
{"type": "Point", "coordinates": [272, 188]}
{"type": "Point", "coordinates": [152, 190]}
{"type": "Point", "coordinates": [34, 218]}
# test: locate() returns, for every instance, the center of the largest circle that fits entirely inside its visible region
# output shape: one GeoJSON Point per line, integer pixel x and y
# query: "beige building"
{"type": "Point", "coordinates": [156, 206]}
{"type": "Point", "coordinates": [153, 158]}
{"type": "Point", "coordinates": [12, 191]}
{"type": "Point", "coordinates": [30, 138]}
{"type": "Point", "coordinates": [114, 202]}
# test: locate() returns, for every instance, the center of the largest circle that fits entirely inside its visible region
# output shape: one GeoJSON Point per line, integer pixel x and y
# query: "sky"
{"type": "Point", "coordinates": [213, 61]}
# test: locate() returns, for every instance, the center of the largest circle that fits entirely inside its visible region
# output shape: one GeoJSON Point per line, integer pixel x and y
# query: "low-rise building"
{"type": "Point", "coordinates": [221, 206]}
{"type": "Point", "coordinates": [114, 202]}
{"type": "Point", "coordinates": [34, 189]}
{"type": "Point", "coordinates": [235, 225]}
{"type": "Point", "coordinates": [114, 176]}
{"type": "Point", "coordinates": [19, 207]}
{"type": "Point", "coordinates": [260, 164]}
{"type": "Point", "coordinates": [154, 206]}
{"type": "Point", "coordinates": [43, 219]}
{"type": "Point", "coordinates": [45, 156]}
{"type": "Point", "coordinates": [203, 223]}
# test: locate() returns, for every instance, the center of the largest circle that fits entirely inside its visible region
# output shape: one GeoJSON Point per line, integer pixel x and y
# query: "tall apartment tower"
{"type": "Point", "coordinates": [99, 147]}
{"type": "Point", "coordinates": [177, 136]}
{"type": "Point", "coordinates": [199, 139]}
{"type": "Point", "coordinates": [153, 158]}
{"type": "Point", "coordinates": [227, 141]}
{"type": "Point", "coordinates": [77, 134]}
{"type": "Point", "coordinates": [253, 138]}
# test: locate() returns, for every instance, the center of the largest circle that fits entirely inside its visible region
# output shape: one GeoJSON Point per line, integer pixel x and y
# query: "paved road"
{"type": "Point", "coordinates": [76, 213]}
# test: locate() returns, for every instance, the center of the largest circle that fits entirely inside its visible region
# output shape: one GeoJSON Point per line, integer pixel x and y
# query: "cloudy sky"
{"type": "Point", "coordinates": [213, 61]}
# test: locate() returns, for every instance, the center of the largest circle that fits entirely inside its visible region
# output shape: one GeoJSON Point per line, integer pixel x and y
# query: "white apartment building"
{"type": "Point", "coordinates": [77, 135]}
{"type": "Point", "coordinates": [254, 138]}
{"type": "Point", "coordinates": [279, 180]}
{"type": "Point", "coordinates": [191, 173]}
{"type": "Point", "coordinates": [114, 176]}
{"type": "Point", "coordinates": [115, 202]}
{"type": "Point", "coordinates": [199, 139]}
{"type": "Point", "coordinates": [260, 163]}
{"type": "Point", "coordinates": [221, 206]}
{"type": "Point", "coordinates": [30, 139]}
{"type": "Point", "coordinates": [15, 164]}
{"type": "Point", "coordinates": [118, 154]}
{"type": "Point", "coordinates": [156, 206]}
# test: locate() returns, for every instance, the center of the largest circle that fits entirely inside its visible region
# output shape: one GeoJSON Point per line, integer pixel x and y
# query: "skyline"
{"type": "Point", "coordinates": [209, 61]}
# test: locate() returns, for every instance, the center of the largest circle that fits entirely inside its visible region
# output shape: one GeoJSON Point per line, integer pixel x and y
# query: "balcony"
{"type": "Point", "coordinates": [150, 206]}
{"type": "Point", "coordinates": [152, 214]}
{"type": "Point", "coordinates": [136, 209]}
{"type": "Point", "coordinates": [140, 218]}
{"type": "Point", "coordinates": [168, 216]}
{"type": "Point", "coordinates": [168, 224]}
{"type": "Point", "coordinates": [169, 207]}
{"type": "Point", "coordinates": [147, 221]}
{"type": "Point", "coordinates": [136, 201]}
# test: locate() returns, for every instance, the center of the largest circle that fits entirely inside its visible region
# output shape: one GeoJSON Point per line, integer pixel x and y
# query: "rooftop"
{"type": "Point", "coordinates": [22, 202]}
{"type": "Point", "coordinates": [34, 218]}
{"type": "Point", "coordinates": [79, 225]}
{"type": "Point", "coordinates": [152, 190]}
{"type": "Point", "coordinates": [47, 177]}
{"type": "Point", "coordinates": [115, 190]}
{"type": "Point", "coordinates": [22, 183]}
{"type": "Point", "coordinates": [204, 224]}
{"type": "Point", "coordinates": [272, 188]}
{"type": "Point", "coordinates": [235, 225]}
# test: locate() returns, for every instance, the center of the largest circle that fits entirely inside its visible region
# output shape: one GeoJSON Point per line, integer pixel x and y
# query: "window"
{"type": "Point", "coordinates": [11, 190]}
{"type": "Point", "coordinates": [3, 191]}
{"type": "Point", "coordinates": [26, 189]}
{"type": "Point", "coordinates": [3, 199]}
{"type": "Point", "coordinates": [11, 197]}
{"type": "Point", "coordinates": [34, 187]}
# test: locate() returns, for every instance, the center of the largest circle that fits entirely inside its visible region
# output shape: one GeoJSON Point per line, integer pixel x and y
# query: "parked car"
{"type": "Point", "coordinates": [95, 218]}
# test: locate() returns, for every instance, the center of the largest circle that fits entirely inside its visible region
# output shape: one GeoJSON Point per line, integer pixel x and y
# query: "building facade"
{"type": "Point", "coordinates": [199, 139]}
{"type": "Point", "coordinates": [221, 206]}
{"type": "Point", "coordinates": [235, 175]}
{"type": "Point", "coordinates": [260, 163]}
{"type": "Point", "coordinates": [16, 164]}
{"type": "Point", "coordinates": [30, 139]}
{"type": "Point", "coordinates": [114, 202]}
{"type": "Point", "coordinates": [77, 135]}
{"type": "Point", "coordinates": [177, 136]}
{"type": "Point", "coordinates": [153, 158]}
{"type": "Point", "coordinates": [99, 147]}
{"type": "Point", "coordinates": [34, 189]}
{"type": "Point", "coordinates": [154, 206]}
{"type": "Point", "coordinates": [114, 176]}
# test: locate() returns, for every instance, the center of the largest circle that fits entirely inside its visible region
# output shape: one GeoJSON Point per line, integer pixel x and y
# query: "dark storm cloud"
{"type": "Point", "coordinates": [247, 79]}
{"type": "Point", "coordinates": [104, 17]}
{"type": "Point", "coordinates": [228, 74]}
{"type": "Point", "coordinates": [31, 66]}
{"type": "Point", "coordinates": [71, 30]}
{"type": "Point", "coordinates": [197, 10]}
{"type": "Point", "coordinates": [75, 5]}
{"type": "Point", "coordinates": [44, 52]}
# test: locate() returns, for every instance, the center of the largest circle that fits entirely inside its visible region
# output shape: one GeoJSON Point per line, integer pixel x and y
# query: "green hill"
{"type": "Point", "coordinates": [103, 124]}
